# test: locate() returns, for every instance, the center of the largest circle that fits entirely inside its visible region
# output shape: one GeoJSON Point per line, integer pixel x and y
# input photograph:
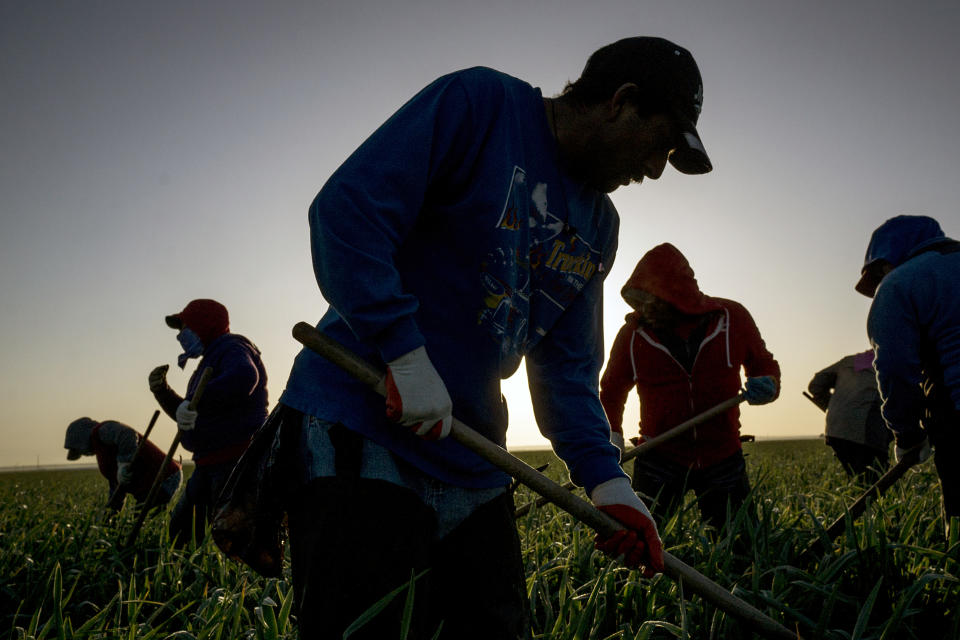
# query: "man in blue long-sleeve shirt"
{"type": "Point", "coordinates": [470, 232]}
{"type": "Point", "coordinates": [912, 272]}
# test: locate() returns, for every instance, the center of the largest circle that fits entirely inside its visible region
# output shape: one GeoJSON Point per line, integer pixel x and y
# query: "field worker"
{"type": "Point", "coordinates": [115, 445]}
{"type": "Point", "coordinates": [470, 231]}
{"type": "Point", "coordinates": [855, 430]}
{"type": "Point", "coordinates": [232, 407]}
{"type": "Point", "coordinates": [683, 351]}
{"type": "Point", "coordinates": [912, 272]}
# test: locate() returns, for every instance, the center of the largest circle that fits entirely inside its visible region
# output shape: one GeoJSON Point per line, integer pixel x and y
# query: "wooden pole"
{"type": "Point", "coordinates": [157, 481]}
{"type": "Point", "coordinates": [859, 505]}
{"type": "Point", "coordinates": [682, 428]}
{"type": "Point", "coordinates": [810, 398]}
{"type": "Point", "coordinates": [572, 504]}
{"type": "Point", "coordinates": [856, 509]}
{"type": "Point", "coordinates": [116, 498]}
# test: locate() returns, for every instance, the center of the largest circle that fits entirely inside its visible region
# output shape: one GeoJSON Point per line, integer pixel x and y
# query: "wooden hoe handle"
{"type": "Point", "coordinates": [157, 481]}
{"type": "Point", "coordinates": [682, 428]}
{"type": "Point", "coordinates": [116, 498]}
{"type": "Point", "coordinates": [569, 502]}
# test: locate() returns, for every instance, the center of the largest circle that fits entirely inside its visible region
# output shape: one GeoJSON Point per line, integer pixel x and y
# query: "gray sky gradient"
{"type": "Point", "coordinates": [157, 152]}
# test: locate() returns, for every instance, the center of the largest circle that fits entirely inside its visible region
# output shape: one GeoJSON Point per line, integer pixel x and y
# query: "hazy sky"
{"type": "Point", "coordinates": [152, 153]}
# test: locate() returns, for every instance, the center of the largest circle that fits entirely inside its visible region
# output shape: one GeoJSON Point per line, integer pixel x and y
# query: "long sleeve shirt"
{"type": "Point", "coordinates": [454, 227]}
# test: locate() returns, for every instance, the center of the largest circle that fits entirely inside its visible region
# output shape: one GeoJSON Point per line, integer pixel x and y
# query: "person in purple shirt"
{"type": "Point", "coordinates": [471, 232]}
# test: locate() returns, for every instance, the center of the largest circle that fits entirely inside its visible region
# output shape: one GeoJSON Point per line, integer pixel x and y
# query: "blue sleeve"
{"type": "Point", "coordinates": [563, 372]}
{"type": "Point", "coordinates": [363, 213]}
{"type": "Point", "coordinates": [895, 334]}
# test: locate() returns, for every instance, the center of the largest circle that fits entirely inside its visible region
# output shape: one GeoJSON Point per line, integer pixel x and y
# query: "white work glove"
{"type": "Point", "coordinates": [922, 450]}
{"type": "Point", "coordinates": [639, 544]}
{"type": "Point", "coordinates": [417, 397]}
{"type": "Point", "coordinates": [124, 473]}
{"type": "Point", "coordinates": [186, 417]}
{"type": "Point", "coordinates": [617, 439]}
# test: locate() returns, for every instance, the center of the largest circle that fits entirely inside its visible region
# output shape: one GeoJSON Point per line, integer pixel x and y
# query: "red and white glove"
{"type": "Point", "coordinates": [638, 545]}
{"type": "Point", "coordinates": [417, 397]}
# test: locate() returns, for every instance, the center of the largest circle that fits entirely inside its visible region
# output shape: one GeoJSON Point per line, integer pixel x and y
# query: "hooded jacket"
{"type": "Point", "coordinates": [725, 338]}
{"type": "Point", "coordinates": [234, 402]}
{"type": "Point", "coordinates": [914, 322]}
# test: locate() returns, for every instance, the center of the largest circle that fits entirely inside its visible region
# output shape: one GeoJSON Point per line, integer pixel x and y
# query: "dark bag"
{"type": "Point", "coordinates": [250, 512]}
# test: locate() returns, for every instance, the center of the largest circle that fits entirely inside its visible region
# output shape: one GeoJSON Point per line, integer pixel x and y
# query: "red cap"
{"type": "Point", "coordinates": [206, 318]}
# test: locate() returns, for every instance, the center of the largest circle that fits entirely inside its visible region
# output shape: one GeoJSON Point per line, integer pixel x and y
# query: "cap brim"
{"type": "Point", "coordinates": [73, 454]}
{"type": "Point", "coordinates": [868, 283]}
{"type": "Point", "coordinates": [690, 157]}
{"type": "Point", "coordinates": [174, 321]}
{"type": "Point", "coordinates": [870, 278]}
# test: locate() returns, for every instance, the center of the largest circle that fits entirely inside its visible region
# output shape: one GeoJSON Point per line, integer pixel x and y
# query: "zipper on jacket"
{"type": "Point", "coordinates": [696, 454]}
{"type": "Point", "coordinates": [722, 325]}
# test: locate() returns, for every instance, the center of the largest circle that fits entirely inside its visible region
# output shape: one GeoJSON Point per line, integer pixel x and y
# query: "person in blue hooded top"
{"type": "Point", "coordinates": [912, 272]}
{"type": "Point", "coordinates": [232, 407]}
{"type": "Point", "coordinates": [470, 232]}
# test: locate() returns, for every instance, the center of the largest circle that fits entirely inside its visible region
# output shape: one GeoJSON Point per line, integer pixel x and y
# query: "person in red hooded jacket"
{"type": "Point", "coordinates": [231, 409]}
{"type": "Point", "coordinates": [683, 352]}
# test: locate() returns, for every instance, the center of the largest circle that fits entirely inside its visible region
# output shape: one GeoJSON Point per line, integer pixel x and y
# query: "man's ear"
{"type": "Point", "coordinates": [623, 97]}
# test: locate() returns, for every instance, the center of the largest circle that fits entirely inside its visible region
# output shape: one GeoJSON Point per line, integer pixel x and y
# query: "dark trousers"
{"type": "Point", "coordinates": [717, 486]}
{"type": "Point", "coordinates": [354, 541]}
{"type": "Point", "coordinates": [192, 512]}
{"type": "Point", "coordinates": [945, 438]}
{"type": "Point", "coordinates": [859, 460]}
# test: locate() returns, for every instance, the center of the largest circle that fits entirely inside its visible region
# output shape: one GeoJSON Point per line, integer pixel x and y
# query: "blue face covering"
{"type": "Point", "coordinates": [192, 347]}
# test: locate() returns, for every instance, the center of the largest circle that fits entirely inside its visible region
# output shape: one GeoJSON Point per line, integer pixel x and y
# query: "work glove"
{"type": "Point", "coordinates": [921, 450]}
{"type": "Point", "coordinates": [417, 397]}
{"type": "Point", "coordinates": [617, 439]}
{"type": "Point", "coordinates": [124, 473]}
{"type": "Point", "coordinates": [158, 378]}
{"type": "Point", "coordinates": [760, 390]}
{"type": "Point", "coordinates": [186, 417]}
{"type": "Point", "coordinates": [638, 546]}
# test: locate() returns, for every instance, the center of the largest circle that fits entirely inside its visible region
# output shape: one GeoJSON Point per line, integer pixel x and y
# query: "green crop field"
{"type": "Point", "coordinates": [891, 575]}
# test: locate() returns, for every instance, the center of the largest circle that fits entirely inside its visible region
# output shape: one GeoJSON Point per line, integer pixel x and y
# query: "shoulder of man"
{"type": "Point", "coordinates": [231, 342]}
{"type": "Point", "coordinates": [734, 308]}
{"type": "Point", "coordinates": [485, 84]}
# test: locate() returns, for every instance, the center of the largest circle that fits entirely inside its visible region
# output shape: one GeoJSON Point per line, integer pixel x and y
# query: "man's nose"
{"type": "Point", "coordinates": [654, 166]}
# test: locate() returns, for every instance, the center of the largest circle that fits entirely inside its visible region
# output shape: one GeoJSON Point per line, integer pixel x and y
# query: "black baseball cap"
{"type": "Point", "coordinates": [667, 75]}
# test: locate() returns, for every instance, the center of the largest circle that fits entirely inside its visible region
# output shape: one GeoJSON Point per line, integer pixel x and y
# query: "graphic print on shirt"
{"type": "Point", "coordinates": [536, 271]}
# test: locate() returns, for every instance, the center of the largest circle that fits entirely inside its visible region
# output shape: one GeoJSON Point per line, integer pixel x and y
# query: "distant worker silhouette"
{"type": "Point", "coordinates": [115, 445]}
{"type": "Point", "coordinates": [231, 408]}
{"type": "Point", "coordinates": [855, 430]}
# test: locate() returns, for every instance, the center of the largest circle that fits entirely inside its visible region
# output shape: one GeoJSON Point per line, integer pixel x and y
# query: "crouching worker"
{"type": "Point", "coordinates": [115, 446]}
{"type": "Point", "coordinates": [232, 407]}
{"type": "Point", "coordinates": [912, 272]}
{"type": "Point", "coordinates": [683, 351]}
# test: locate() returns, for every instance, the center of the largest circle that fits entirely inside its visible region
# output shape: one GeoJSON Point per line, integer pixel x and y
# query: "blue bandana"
{"type": "Point", "coordinates": [192, 347]}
